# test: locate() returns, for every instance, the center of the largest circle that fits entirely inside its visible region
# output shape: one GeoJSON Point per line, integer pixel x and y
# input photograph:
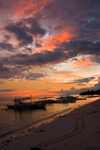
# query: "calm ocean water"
{"type": "Point", "coordinates": [13, 122]}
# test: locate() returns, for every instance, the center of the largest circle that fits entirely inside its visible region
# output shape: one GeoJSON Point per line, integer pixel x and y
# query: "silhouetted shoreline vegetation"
{"type": "Point", "coordinates": [92, 92]}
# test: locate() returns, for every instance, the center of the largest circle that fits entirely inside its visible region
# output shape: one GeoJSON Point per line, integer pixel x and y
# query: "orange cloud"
{"type": "Point", "coordinates": [97, 80]}
{"type": "Point", "coordinates": [63, 36]}
{"type": "Point", "coordinates": [30, 7]}
{"type": "Point", "coordinates": [51, 42]}
{"type": "Point", "coordinates": [83, 63]}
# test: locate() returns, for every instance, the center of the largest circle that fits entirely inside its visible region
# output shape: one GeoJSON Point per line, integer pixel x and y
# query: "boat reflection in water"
{"type": "Point", "coordinates": [21, 104]}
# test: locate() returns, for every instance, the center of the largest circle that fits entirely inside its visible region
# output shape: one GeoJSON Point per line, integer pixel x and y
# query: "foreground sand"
{"type": "Point", "coordinates": [78, 130]}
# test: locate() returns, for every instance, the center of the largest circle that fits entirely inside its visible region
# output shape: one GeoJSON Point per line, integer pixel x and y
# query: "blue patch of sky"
{"type": "Point", "coordinates": [85, 31]}
{"type": "Point", "coordinates": [1, 37]}
{"type": "Point", "coordinates": [12, 18]}
{"type": "Point", "coordinates": [92, 19]}
{"type": "Point", "coordinates": [1, 34]}
{"type": "Point", "coordinates": [29, 46]}
{"type": "Point", "coordinates": [97, 39]}
{"type": "Point", "coordinates": [46, 35]}
{"type": "Point", "coordinates": [63, 15]}
{"type": "Point", "coordinates": [94, 14]}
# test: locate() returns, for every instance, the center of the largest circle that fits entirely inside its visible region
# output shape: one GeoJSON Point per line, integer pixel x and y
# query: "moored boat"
{"type": "Point", "coordinates": [22, 104]}
{"type": "Point", "coordinates": [66, 99]}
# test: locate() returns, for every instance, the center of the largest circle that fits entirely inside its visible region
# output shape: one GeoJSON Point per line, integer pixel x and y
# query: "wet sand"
{"type": "Point", "coordinates": [77, 130]}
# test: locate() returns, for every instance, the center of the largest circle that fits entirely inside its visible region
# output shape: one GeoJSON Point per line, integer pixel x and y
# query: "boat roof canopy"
{"type": "Point", "coordinates": [20, 99]}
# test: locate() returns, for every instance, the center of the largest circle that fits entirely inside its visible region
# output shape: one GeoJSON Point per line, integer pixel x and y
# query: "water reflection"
{"type": "Point", "coordinates": [11, 120]}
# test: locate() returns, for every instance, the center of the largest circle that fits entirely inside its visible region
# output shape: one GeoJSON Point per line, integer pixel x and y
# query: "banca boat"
{"type": "Point", "coordinates": [21, 104]}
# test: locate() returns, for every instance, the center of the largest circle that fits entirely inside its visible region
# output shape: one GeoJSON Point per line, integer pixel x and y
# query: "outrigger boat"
{"type": "Point", "coordinates": [66, 99]}
{"type": "Point", "coordinates": [21, 104]}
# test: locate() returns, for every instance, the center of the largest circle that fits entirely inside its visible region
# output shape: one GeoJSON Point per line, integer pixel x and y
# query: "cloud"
{"type": "Point", "coordinates": [7, 90]}
{"type": "Point", "coordinates": [25, 29]}
{"type": "Point", "coordinates": [19, 29]}
{"type": "Point", "coordinates": [63, 20]}
{"type": "Point", "coordinates": [3, 69]}
{"type": "Point", "coordinates": [37, 44]}
{"type": "Point", "coordinates": [43, 32]}
{"type": "Point", "coordinates": [27, 50]}
{"type": "Point", "coordinates": [6, 46]}
{"type": "Point", "coordinates": [18, 72]}
{"type": "Point", "coordinates": [83, 81]}
{"type": "Point", "coordinates": [83, 63]}
{"type": "Point", "coordinates": [44, 90]}
{"type": "Point", "coordinates": [64, 14]}
{"type": "Point", "coordinates": [78, 91]}
{"type": "Point", "coordinates": [35, 28]}
{"type": "Point", "coordinates": [27, 7]}
{"type": "Point", "coordinates": [81, 47]}
{"type": "Point", "coordinates": [34, 76]}
{"type": "Point", "coordinates": [97, 60]}
{"type": "Point", "coordinates": [42, 58]}
{"type": "Point", "coordinates": [20, 7]}
{"type": "Point", "coordinates": [2, 5]}
{"type": "Point", "coordinates": [72, 91]}
{"type": "Point", "coordinates": [10, 73]}
{"type": "Point", "coordinates": [65, 51]}
{"type": "Point", "coordinates": [1, 82]}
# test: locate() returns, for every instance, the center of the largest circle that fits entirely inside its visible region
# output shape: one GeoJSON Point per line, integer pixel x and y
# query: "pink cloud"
{"type": "Point", "coordinates": [83, 63]}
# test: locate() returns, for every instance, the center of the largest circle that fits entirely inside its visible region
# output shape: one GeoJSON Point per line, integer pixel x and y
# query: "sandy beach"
{"type": "Point", "coordinates": [78, 130]}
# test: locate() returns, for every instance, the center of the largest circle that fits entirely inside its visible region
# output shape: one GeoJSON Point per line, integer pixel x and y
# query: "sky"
{"type": "Point", "coordinates": [49, 47]}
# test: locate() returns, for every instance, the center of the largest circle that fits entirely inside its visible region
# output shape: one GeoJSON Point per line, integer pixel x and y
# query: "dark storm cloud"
{"type": "Point", "coordinates": [38, 45]}
{"type": "Point", "coordinates": [25, 29]}
{"type": "Point", "coordinates": [81, 81]}
{"type": "Point", "coordinates": [36, 59]}
{"type": "Point", "coordinates": [7, 37]}
{"type": "Point", "coordinates": [3, 69]}
{"type": "Point", "coordinates": [35, 28]}
{"type": "Point", "coordinates": [27, 50]}
{"type": "Point", "coordinates": [81, 47]}
{"type": "Point", "coordinates": [6, 46]}
{"type": "Point", "coordinates": [64, 51]}
{"type": "Point", "coordinates": [18, 72]}
{"type": "Point", "coordinates": [8, 72]}
{"type": "Point", "coordinates": [34, 76]}
{"type": "Point", "coordinates": [19, 29]}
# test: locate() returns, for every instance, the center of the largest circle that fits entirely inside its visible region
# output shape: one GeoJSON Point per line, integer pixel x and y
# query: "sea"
{"type": "Point", "coordinates": [15, 124]}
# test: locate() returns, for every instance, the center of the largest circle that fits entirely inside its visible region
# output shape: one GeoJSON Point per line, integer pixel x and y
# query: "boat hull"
{"type": "Point", "coordinates": [67, 99]}
{"type": "Point", "coordinates": [27, 106]}
{"type": "Point", "coordinates": [37, 106]}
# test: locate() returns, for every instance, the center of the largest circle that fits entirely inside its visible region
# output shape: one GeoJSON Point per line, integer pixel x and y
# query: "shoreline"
{"type": "Point", "coordinates": [79, 129]}
{"type": "Point", "coordinates": [19, 133]}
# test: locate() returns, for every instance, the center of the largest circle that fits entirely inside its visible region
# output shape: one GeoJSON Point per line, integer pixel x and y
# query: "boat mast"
{"type": "Point", "coordinates": [31, 97]}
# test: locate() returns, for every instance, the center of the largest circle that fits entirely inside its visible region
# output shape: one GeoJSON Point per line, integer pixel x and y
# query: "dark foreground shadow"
{"type": "Point", "coordinates": [35, 148]}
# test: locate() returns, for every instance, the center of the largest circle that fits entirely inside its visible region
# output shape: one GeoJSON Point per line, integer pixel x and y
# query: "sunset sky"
{"type": "Point", "coordinates": [49, 47]}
